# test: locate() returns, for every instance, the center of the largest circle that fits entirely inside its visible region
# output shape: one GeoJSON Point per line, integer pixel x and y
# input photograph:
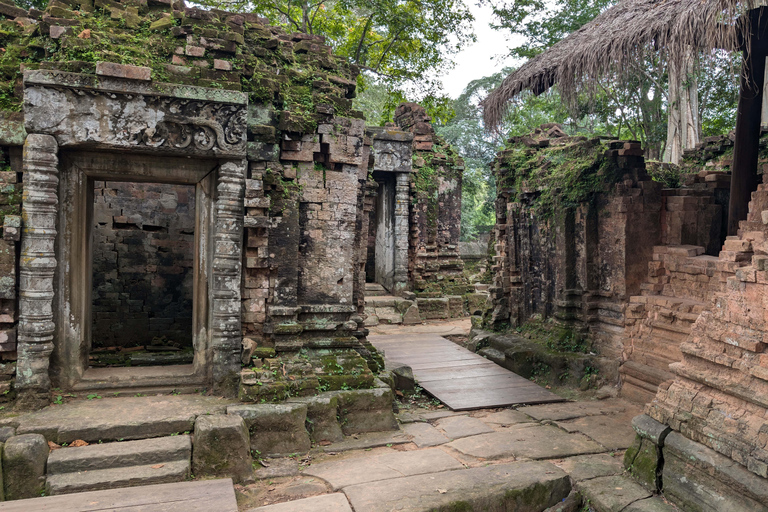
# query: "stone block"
{"type": "Point", "coordinates": [366, 410]}
{"type": "Point", "coordinates": [162, 24]}
{"type": "Point", "coordinates": [322, 417]}
{"type": "Point", "coordinates": [223, 65]}
{"type": "Point", "coordinates": [12, 228]}
{"type": "Point", "coordinates": [24, 459]}
{"type": "Point", "coordinates": [123, 71]}
{"type": "Point", "coordinates": [431, 309]}
{"type": "Point", "coordinates": [222, 448]}
{"type": "Point", "coordinates": [695, 477]}
{"type": "Point", "coordinates": [402, 375]}
{"type": "Point", "coordinates": [412, 315]}
{"type": "Point", "coordinates": [275, 429]}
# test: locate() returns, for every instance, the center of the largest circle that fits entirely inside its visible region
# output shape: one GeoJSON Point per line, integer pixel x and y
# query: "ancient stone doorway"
{"type": "Point", "coordinates": [104, 303]}
{"type": "Point", "coordinates": [143, 250]}
{"type": "Point", "coordinates": [388, 233]}
{"type": "Point", "coordinates": [384, 244]}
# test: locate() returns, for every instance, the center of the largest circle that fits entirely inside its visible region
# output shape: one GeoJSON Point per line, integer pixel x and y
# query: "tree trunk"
{"type": "Point", "coordinates": [683, 123]}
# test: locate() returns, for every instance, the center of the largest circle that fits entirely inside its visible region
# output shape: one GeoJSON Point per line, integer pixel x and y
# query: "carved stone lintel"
{"type": "Point", "coordinates": [108, 120]}
{"type": "Point", "coordinates": [37, 267]}
{"type": "Point", "coordinates": [226, 331]}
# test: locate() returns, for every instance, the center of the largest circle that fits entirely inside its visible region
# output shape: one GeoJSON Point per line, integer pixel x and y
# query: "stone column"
{"type": "Point", "coordinates": [36, 270]}
{"type": "Point", "coordinates": [226, 334]}
{"type": "Point", "coordinates": [402, 229]}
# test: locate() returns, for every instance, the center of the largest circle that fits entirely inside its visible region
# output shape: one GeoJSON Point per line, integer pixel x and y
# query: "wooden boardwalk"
{"type": "Point", "coordinates": [202, 496]}
{"type": "Point", "coordinates": [460, 379]}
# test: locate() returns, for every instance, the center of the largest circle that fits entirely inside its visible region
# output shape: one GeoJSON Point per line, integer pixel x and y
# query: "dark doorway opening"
{"type": "Point", "coordinates": [380, 264]}
{"type": "Point", "coordinates": [143, 250]}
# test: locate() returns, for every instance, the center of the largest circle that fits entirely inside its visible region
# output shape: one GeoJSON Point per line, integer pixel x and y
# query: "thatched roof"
{"type": "Point", "coordinates": [618, 37]}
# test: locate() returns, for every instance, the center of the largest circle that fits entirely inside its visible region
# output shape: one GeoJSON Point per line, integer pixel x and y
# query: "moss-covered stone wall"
{"type": "Point", "coordinates": [436, 268]}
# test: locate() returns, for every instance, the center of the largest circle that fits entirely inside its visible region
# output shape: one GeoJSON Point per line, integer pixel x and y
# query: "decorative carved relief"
{"type": "Point", "coordinates": [94, 118]}
{"type": "Point", "coordinates": [226, 333]}
{"type": "Point", "coordinates": [36, 268]}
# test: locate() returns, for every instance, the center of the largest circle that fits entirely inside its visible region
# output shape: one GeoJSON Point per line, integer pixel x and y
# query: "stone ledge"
{"type": "Point", "coordinates": [120, 85]}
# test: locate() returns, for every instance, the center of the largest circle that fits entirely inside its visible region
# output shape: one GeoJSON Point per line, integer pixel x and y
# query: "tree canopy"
{"type": "Point", "coordinates": [392, 41]}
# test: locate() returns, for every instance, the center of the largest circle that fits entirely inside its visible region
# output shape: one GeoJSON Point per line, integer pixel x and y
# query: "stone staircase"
{"type": "Point", "coordinates": [120, 464]}
{"type": "Point", "coordinates": [375, 290]}
{"type": "Point", "coordinates": [388, 309]}
{"type": "Point", "coordinates": [680, 280]}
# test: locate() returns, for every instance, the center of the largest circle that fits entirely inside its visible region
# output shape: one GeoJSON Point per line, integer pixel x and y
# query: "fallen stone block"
{"type": "Point", "coordinates": [322, 422]}
{"type": "Point", "coordinates": [24, 459]}
{"type": "Point", "coordinates": [222, 448]}
{"type": "Point", "coordinates": [366, 410]}
{"type": "Point", "coordinates": [275, 429]}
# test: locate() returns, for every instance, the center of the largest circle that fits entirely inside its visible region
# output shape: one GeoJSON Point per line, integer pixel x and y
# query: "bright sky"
{"type": "Point", "coordinates": [480, 59]}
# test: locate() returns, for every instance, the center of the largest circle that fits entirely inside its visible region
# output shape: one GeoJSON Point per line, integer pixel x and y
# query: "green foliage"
{"type": "Point", "coordinates": [718, 80]}
{"type": "Point", "coordinates": [557, 178]}
{"type": "Point", "coordinates": [543, 23]}
{"type": "Point", "coordinates": [378, 101]}
{"type": "Point", "coordinates": [556, 337]}
{"type": "Point", "coordinates": [392, 40]}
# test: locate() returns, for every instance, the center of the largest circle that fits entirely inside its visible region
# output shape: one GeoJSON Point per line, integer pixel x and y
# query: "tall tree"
{"type": "Point", "coordinates": [394, 41]}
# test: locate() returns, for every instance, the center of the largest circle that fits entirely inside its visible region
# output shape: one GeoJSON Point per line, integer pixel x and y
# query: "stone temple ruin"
{"type": "Point", "coordinates": [189, 202]}
{"type": "Point", "coordinates": [224, 191]}
{"type": "Point", "coordinates": [674, 309]}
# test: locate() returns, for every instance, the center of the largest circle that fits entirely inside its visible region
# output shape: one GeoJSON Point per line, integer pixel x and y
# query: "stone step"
{"type": "Point", "coordinates": [122, 454]}
{"type": "Point", "coordinates": [112, 419]}
{"type": "Point", "coordinates": [147, 474]}
{"type": "Point", "coordinates": [375, 290]}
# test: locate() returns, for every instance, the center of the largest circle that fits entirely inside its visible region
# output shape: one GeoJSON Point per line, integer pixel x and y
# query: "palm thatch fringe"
{"type": "Point", "coordinates": [619, 38]}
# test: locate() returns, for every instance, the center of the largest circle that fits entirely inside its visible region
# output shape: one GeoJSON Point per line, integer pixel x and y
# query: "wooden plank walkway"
{"type": "Point", "coordinates": [460, 379]}
{"type": "Point", "coordinates": [202, 496]}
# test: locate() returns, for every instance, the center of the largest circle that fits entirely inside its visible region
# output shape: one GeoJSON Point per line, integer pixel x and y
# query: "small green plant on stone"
{"type": "Point", "coordinates": [93, 396]}
{"type": "Point", "coordinates": [58, 400]}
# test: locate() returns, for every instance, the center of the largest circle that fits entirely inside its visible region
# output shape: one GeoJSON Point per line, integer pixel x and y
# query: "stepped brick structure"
{"type": "Point", "coordinates": [649, 274]}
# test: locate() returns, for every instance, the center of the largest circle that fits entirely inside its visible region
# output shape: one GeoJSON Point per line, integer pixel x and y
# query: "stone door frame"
{"type": "Point", "coordinates": [128, 123]}
{"type": "Point", "coordinates": [72, 314]}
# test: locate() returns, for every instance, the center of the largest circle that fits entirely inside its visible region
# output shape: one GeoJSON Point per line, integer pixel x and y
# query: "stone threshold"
{"type": "Point", "coordinates": [137, 378]}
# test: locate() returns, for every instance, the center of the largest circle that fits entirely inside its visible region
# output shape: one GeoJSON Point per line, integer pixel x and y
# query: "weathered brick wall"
{"type": "Point", "coordinates": [615, 263]}
{"type": "Point", "coordinates": [143, 254]}
{"type": "Point", "coordinates": [11, 190]}
{"type": "Point", "coordinates": [436, 268]}
{"type": "Point", "coordinates": [718, 395]}
{"type": "Point", "coordinates": [578, 263]}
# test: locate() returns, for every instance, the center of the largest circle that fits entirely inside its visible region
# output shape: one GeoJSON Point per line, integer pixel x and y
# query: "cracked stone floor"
{"type": "Point", "coordinates": [439, 457]}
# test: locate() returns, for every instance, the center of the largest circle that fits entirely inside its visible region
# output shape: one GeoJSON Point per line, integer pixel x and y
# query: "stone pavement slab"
{"type": "Point", "coordinates": [572, 410]}
{"type": "Point", "coordinates": [110, 419]}
{"type": "Point", "coordinates": [368, 440]}
{"type": "Point", "coordinates": [458, 326]}
{"type": "Point", "coordinates": [199, 496]}
{"type": "Point", "coordinates": [336, 502]}
{"type": "Point", "coordinates": [506, 417]}
{"type": "Point", "coordinates": [343, 473]}
{"type": "Point", "coordinates": [613, 431]}
{"type": "Point", "coordinates": [424, 434]}
{"type": "Point", "coordinates": [652, 504]}
{"type": "Point", "coordinates": [422, 415]}
{"type": "Point", "coordinates": [276, 468]}
{"type": "Point", "coordinates": [510, 486]}
{"type": "Point", "coordinates": [526, 441]}
{"type": "Point", "coordinates": [584, 467]}
{"type": "Point", "coordinates": [462, 426]}
{"type": "Point", "coordinates": [612, 493]}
